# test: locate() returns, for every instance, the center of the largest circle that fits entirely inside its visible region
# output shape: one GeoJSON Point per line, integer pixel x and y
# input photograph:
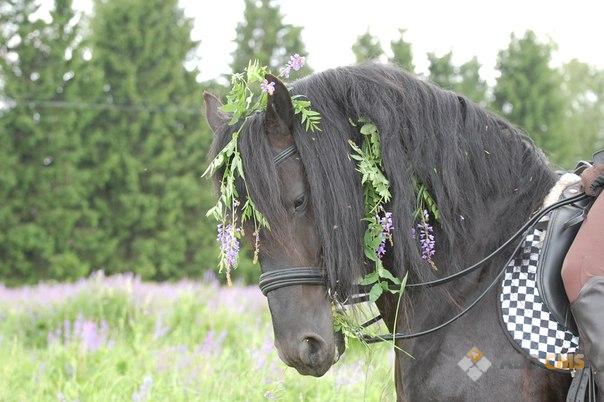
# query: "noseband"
{"type": "Point", "coordinates": [291, 276]}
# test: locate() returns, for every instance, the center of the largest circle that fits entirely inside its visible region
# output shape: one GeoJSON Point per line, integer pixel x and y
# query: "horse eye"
{"type": "Point", "coordinates": [299, 202]}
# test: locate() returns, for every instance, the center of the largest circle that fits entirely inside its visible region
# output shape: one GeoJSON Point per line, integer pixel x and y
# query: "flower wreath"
{"type": "Point", "coordinates": [248, 94]}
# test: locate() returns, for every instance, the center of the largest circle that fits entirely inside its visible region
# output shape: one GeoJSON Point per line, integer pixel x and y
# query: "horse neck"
{"type": "Point", "coordinates": [490, 223]}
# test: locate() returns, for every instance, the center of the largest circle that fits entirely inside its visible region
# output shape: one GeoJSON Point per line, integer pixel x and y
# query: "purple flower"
{"type": "Point", "coordinates": [229, 245]}
{"type": "Point", "coordinates": [268, 87]}
{"type": "Point", "coordinates": [212, 344]}
{"type": "Point", "coordinates": [93, 336]}
{"type": "Point", "coordinates": [296, 62]}
{"type": "Point", "coordinates": [426, 237]}
{"type": "Point", "coordinates": [285, 71]}
{"type": "Point", "coordinates": [143, 392]}
{"type": "Point", "coordinates": [210, 278]}
{"type": "Point", "coordinates": [387, 226]}
{"type": "Point", "coordinates": [386, 222]}
{"type": "Point", "coordinates": [160, 328]}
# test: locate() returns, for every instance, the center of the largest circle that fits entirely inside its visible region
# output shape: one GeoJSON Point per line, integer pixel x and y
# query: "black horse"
{"type": "Point", "coordinates": [486, 177]}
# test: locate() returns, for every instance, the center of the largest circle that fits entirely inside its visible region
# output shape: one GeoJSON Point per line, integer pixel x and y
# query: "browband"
{"type": "Point", "coordinates": [286, 153]}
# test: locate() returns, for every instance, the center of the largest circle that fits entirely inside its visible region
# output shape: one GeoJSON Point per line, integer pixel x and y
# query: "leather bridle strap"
{"type": "Point", "coordinates": [284, 154]}
{"type": "Point", "coordinates": [284, 277]}
{"type": "Point", "coordinates": [281, 278]}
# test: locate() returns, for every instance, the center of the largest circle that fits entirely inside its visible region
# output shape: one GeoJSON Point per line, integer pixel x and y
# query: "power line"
{"type": "Point", "coordinates": [131, 108]}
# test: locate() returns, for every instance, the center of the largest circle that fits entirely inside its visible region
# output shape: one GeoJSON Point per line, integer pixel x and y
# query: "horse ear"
{"type": "Point", "coordinates": [216, 118]}
{"type": "Point", "coordinates": [279, 118]}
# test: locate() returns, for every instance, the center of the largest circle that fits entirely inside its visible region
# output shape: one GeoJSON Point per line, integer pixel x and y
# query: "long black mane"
{"type": "Point", "coordinates": [485, 175]}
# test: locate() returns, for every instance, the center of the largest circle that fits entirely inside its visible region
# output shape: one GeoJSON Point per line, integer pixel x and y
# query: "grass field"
{"type": "Point", "coordinates": [119, 339]}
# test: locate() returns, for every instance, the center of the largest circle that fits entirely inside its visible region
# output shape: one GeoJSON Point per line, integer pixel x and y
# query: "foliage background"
{"type": "Point", "coordinates": [102, 140]}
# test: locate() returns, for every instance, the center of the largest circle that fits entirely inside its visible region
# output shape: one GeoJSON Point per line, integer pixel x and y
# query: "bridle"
{"type": "Point", "coordinates": [284, 277]}
{"type": "Point", "coordinates": [291, 276]}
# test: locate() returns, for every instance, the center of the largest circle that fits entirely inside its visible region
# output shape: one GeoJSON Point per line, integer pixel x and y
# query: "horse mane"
{"type": "Point", "coordinates": [485, 175]}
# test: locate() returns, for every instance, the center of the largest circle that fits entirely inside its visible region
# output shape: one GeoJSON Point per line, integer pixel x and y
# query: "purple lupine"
{"type": "Point", "coordinates": [426, 237]}
{"type": "Point", "coordinates": [93, 336]}
{"type": "Point", "coordinates": [143, 392]}
{"type": "Point", "coordinates": [268, 87]}
{"type": "Point", "coordinates": [229, 245]}
{"type": "Point", "coordinates": [160, 329]}
{"type": "Point", "coordinates": [212, 344]}
{"type": "Point", "coordinates": [210, 278]}
{"type": "Point", "coordinates": [387, 226]}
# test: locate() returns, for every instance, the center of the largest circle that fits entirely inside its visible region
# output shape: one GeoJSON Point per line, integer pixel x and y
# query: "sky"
{"type": "Point", "coordinates": [467, 27]}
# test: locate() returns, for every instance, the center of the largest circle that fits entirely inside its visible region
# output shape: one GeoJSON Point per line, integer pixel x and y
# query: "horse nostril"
{"type": "Point", "coordinates": [311, 350]}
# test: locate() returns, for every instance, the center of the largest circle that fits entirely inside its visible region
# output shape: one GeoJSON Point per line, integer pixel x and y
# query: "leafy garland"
{"type": "Point", "coordinates": [376, 189]}
{"type": "Point", "coordinates": [249, 94]}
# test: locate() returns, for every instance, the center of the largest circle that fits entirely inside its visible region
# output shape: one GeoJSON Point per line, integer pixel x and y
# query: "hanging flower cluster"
{"type": "Point", "coordinates": [426, 206]}
{"type": "Point", "coordinates": [229, 244]}
{"type": "Point", "coordinates": [426, 237]}
{"type": "Point", "coordinates": [386, 222]}
{"type": "Point", "coordinates": [248, 94]}
{"type": "Point", "coordinates": [376, 190]}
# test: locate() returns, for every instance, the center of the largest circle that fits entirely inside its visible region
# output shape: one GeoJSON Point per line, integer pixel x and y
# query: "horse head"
{"type": "Point", "coordinates": [301, 313]}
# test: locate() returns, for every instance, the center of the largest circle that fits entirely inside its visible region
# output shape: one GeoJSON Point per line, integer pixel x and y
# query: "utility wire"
{"type": "Point", "coordinates": [131, 108]}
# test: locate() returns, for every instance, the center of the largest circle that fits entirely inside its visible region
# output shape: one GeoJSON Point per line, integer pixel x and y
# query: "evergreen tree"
{"type": "Point", "coordinates": [470, 83]}
{"type": "Point", "coordinates": [402, 54]}
{"type": "Point", "coordinates": [263, 36]}
{"type": "Point", "coordinates": [366, 48]}
{"type": "Point", "coordinates": [442, 71]}
{"type": "Point", "coordinates": [152, 146]}
{"type": "Point", "coordinates": [47, 228]}
{"type": "Point", "coordinates": [528, 93]}
{"type": "Point", "coordinates": [583, 87]}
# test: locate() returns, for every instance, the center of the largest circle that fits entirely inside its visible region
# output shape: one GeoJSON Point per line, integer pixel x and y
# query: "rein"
{"type": "Point", "coordinates": [292, 276]}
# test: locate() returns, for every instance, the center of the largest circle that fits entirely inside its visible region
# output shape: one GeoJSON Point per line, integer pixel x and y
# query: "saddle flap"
{"type": "Point", "coordinates": [562, 228]}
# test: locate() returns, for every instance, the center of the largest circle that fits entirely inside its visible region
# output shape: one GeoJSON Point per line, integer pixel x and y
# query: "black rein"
{"type": "Point", "coordinates": [315, 275]}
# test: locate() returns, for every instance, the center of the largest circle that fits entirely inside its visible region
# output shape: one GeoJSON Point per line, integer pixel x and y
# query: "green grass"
{"type": "Point", "coordinates": [191, 342]}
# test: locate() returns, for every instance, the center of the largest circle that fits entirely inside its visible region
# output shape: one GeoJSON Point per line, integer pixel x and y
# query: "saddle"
{"type": "Point", "coordinates": [563, 225]}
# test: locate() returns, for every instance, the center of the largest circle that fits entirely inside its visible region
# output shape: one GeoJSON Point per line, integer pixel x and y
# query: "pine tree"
{"type": "Point", "coordinates": [470, 83]}
{"type": "Point", "coordinates": [442, 71]}
{"type": "Point", "coordinates": [583, 87]}
{"type": "Point", "coordinates": [528, 93]}
{"type": "Point", "coordinates": [464, 80]}
{"type": "Point", "coordinates": [263, 36]}
{"type": "Point", "coordinates": [402, 54]}
{"type": "Point", "coordinates": [152, 146]}
{"type": "Point", "coordinates": [366, 48]}
{"type": "Point", "coordinates": [47, 227]}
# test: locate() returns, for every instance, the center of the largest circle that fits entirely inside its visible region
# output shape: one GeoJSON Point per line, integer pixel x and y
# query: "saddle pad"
{"type": "Point", "coordinates": [528, 321]}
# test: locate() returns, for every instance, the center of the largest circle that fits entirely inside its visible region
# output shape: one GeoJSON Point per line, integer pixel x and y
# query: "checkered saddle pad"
{"type": "Point", "coordinates": [531, 327]}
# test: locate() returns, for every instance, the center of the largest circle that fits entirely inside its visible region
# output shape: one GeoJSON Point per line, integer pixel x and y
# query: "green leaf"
{"type": "Point", "coordinates": [369, 279]}
{"type": "Point", "coordinates": [368, 128]}
{"type": "Point", "coordinates": [384, 273]}
{"type": "Point", "coordinates": [375, 292]}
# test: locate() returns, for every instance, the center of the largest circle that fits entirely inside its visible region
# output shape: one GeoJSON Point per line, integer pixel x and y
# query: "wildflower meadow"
{"type": "Point", "coordinates": [117, 338]}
